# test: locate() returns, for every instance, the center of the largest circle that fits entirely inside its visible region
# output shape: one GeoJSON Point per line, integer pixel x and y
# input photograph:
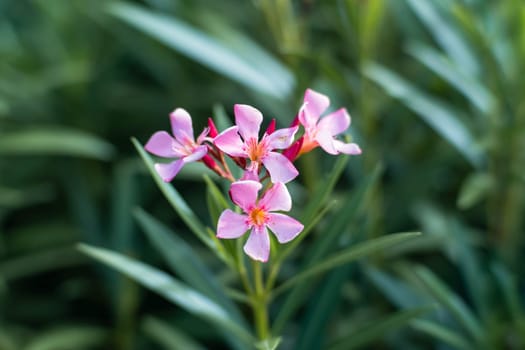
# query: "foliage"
{"type": "Point", "coordinates": [434, 89]}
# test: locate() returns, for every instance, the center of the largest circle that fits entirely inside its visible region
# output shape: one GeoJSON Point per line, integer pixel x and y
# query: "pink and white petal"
{"type": "Point", "coordinates": [181, 125]}
{"type": "Point", "coordinates": [284, 227]}
{"type": "Point", "coordinates": [197, 154]}
{"type": "Point", "coordinates": [244, 193]}
{"type": "Point", "coordinates": [258, 244]}
{"type": "Point", "coordinates": [281, 139]}
{"type": "Point", "coordinates": [315, 102]}
{"type": "Point", "coordinates": [168, 171]}
{"type": "Point", "coordinates": [230, 142]}
{"type": "Point", "coordinates": [279, 167]}
{"type": "Point", "coordinates": [326, 141]}
{"type": "Point", "coordinates": [231, 225]}
{"type": "Point", "coordinates": [347, 148]}
{"type": "Point", "coordinates": [250, 174]}
{"type": "Point", "coordinates": [276, 198]}
{"type": "Point", "coordinates": [163, 145]}
{"type": "Point", "coordinates": [335, 123]}
{"type": "Point", "coordinates": [249, 120]}
{"type": "Point", "coordinates": [203, 135]}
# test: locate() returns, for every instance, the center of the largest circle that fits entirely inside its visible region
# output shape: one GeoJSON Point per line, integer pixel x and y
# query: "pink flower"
{"type": "Point", "coordinates": [258, 216]}
{"type": "Point", "coordinates": [241, 141]}
{"type": "Point", "coordinates": [322, 132]}
{"type": "Point", "coordinates": [183, 147]}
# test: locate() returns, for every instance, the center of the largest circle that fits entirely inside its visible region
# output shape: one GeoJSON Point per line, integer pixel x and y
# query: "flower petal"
{"type": "Point", "coordinates": [326, 141]}
{"type": "Point", "coordinates": [181, 125]}
{"type": "Point", "coordinates": [168, 171]}
{"type": "Point", "coordinates": [231, 225]}
{"type": "Point", "coordinates": [313, 106]}
{"type": "Point", "coordinates": [230, 142]}
{"type": "Point", "coordinates": [249, 120]}
{"type": "Point", "coordinates": [197, 154]}
{"type": "Point", "coordinates": [281, 139]}
{"type": "Point", "coordinates": [336, 122]}
{"type": "Point", "coordinates": [244, 193]}
{"type": "Point", "coordinates": [276, 198]}
{"type": "Point", "coordinates": [163, 145]}
{"type": "Point", "coordinates": [284, 227]}
{"type": "Point", "coordinates": [258, 244]}
{"type": "Point", "coordinates": [347, 148]}
{"type": "Point", "coordinates": [279, 167]}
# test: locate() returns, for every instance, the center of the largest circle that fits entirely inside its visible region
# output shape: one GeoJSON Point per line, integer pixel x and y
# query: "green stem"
{"type": "Point", "coordinates": [259, 303]}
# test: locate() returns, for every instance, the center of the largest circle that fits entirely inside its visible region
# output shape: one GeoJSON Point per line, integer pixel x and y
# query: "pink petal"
{"type": "Point", "coordinates": [249, 120]}
{"type": "Point", "coordinates": [281, 139]}
{"type": "Point", "coordinates": [168, 171]}
{"type": "Point", "coordinates": [181, 125]}
{"type": "Point", "coordinates": [279, 167]}
{"type": "Point", "coordinates": [197, 154]}
{"type": "Point", "coordinates": [230, 142]}
{"type": "Point", "coordinates": [250, 174]}
{"type": "Point", "coordinates": [231, 225]}
{"type": "Point", "coordinates": [284, 227]}
{"type": "Point", "coordinates": [163, 145]}
{"type": "Point", "coordinates": [313, 106]}
{"type": "Point", "coordinates": [276, 198]}
{"type": "Point", "coordinates": [244, 193]}
{"type": "Point", "coordinates": [335, 123]}
{"type": "Point", "coordinates": [258, 244]}
{"type": "Point", "coordinates": [326, 141]}
{"type": "Point", "coordinates": [347, 148]}
{"type": "Point", "coordinates": [203, 135]}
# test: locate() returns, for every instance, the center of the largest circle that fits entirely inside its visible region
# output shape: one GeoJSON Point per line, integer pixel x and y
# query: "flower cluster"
{"type": "Point", "coordinates": [267, 164]}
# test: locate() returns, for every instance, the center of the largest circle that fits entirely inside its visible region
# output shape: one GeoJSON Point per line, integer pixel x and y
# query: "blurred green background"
{"type": "Point", "coordinates": [436, 94]}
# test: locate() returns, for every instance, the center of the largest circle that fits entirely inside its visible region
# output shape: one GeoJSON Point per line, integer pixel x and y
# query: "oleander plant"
{"type": "Point", "coordinates": [350, 176]}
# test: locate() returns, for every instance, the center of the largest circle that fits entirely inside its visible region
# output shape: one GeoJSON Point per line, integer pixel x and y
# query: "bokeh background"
{"type": "Point", "coordinates": [436, 94]}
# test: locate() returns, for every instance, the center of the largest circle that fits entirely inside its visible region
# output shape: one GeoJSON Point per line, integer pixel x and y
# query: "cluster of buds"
{"type": "Point", "coordinates": [266, 163]}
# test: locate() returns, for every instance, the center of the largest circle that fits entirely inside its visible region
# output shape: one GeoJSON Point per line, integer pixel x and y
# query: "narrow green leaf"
{"type": "Point", "coordinates": [474, 188]}
{"type": "Point", "coordinates": [70, 337]}
{"type": "Point", "coordinates": [171, 289]}
{"type": "Point", "coordinates": [63, 142]}
{"type": "Point", "coordinates": [438, 116]}
{"type": "Point", "coordinates": [452, 303]}
{"type": "Point", "coordinates": [359, 338]}
{"type": "Point", "coordinates": [175, 199]}
{"type": "Point", "coordinates": [469, 86]}
{"type": "Point", "coordinates": [216, 201]}
{"type": "Point", "coordinates": [205, 49]}
{"type": "Point", "coordinates": [348, 255]}
{"type": "Point", "coordinates": [443, 334]}
{"type": "Point", "coordinates": [182, 259]}
{"type": "Point", "coordinates": [446, 34]}
{"type": "Point", "coordinates": [168, 336]}
{"type": "Point", "coordinates": [268, 344]}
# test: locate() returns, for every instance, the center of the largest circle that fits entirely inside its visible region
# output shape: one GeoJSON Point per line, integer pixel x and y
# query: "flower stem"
{"type": "Point", "coordinates": [259, 303]}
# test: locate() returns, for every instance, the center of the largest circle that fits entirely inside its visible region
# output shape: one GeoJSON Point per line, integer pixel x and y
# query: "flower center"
{"type": "Point", "coordinates": [257, 216]}
{"type": "Point", "coordinates": [255, 150]}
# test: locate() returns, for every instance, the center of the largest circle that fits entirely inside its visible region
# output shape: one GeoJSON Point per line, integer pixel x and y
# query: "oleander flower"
{"type": "Point", "coordinates": [182, 147]}
{"type": "Point", "coordinates": [258, 217]}
{"type": "Point", "coordinates": [242, 140]}
{"type": "Point", "coordinates": [322, 131]}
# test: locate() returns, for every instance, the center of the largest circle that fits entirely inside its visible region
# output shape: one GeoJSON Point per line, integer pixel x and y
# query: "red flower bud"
{"type": "Point", "coordinates": [213, 130]}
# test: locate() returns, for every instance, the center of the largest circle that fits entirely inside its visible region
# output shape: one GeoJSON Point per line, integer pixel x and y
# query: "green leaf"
{"type": "Point", "coordinates": [370, 333]}
{"type": "Point", "coordinates": [207, 50]}
{"type": "Point", "coordinates": [452, 303]}
{"type": "Point", "coordinates": [446, 34]}
{"type": "Point", "coordinates": [216, 201]}
{"type": "Point", "coordinates": [348, 255]}
{"type": "Point", "coordinates": [468, 85]}
{"type": "Point", "coordinates": [443, 334]}
{"type": "Point", "coordinates": [268, 344]}
{"type": "Point", "coordinates": [168, 336]}
{"type": "Point", "coordinates": [182, 259]}
{"type": "Point", "coordinates": [474, 188]}
{"type": "Point", "coordinates": [176, 201]}
{"type": "Point", "coordinates": [59, 142]}
{"type": "Point", "coordinates": [70, 337]}
{"type": "Point", "coordinates": [171, 289]}
{"type": "Point", "coordinates": [438, 116]}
